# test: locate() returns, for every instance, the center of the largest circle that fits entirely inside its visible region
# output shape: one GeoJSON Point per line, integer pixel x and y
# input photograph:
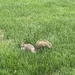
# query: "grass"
{"type": "Point", "coordinates": [32, 20]}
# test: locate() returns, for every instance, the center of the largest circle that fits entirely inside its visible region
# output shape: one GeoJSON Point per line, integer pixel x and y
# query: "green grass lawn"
{"type": "Point", "coordinates": [30, 21]}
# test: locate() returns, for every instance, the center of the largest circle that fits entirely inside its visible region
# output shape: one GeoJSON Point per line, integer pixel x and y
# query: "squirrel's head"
{"type": "Point", "coordinates": [22, 46]}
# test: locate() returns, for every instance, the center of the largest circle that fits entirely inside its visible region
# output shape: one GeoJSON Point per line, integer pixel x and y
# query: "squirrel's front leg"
{"type": "Point", "coordinates": [22, 48]}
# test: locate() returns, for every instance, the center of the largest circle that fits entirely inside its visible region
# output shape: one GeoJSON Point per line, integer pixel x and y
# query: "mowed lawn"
{"type": "Point", "coordinates": [30, 21]}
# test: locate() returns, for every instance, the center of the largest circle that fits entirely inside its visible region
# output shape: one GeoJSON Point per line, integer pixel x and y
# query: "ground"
{"type": "Point", "coordinates": [30, 21]}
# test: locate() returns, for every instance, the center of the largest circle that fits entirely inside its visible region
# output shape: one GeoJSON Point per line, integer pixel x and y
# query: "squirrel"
{"type": "Point", "coordinates": [38, 45]}
{"type": "Point", "coordinates": [25, 46]}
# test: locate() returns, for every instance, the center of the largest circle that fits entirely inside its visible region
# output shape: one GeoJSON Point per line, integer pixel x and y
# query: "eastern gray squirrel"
{"type": "Point", "coordinates": [38, 45]}
{"type": "Point", "coordinates": [25, 46]}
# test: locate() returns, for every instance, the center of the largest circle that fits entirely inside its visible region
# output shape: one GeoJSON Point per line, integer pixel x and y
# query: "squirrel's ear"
{"type": "Point", "coordinates": [22, 42]}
